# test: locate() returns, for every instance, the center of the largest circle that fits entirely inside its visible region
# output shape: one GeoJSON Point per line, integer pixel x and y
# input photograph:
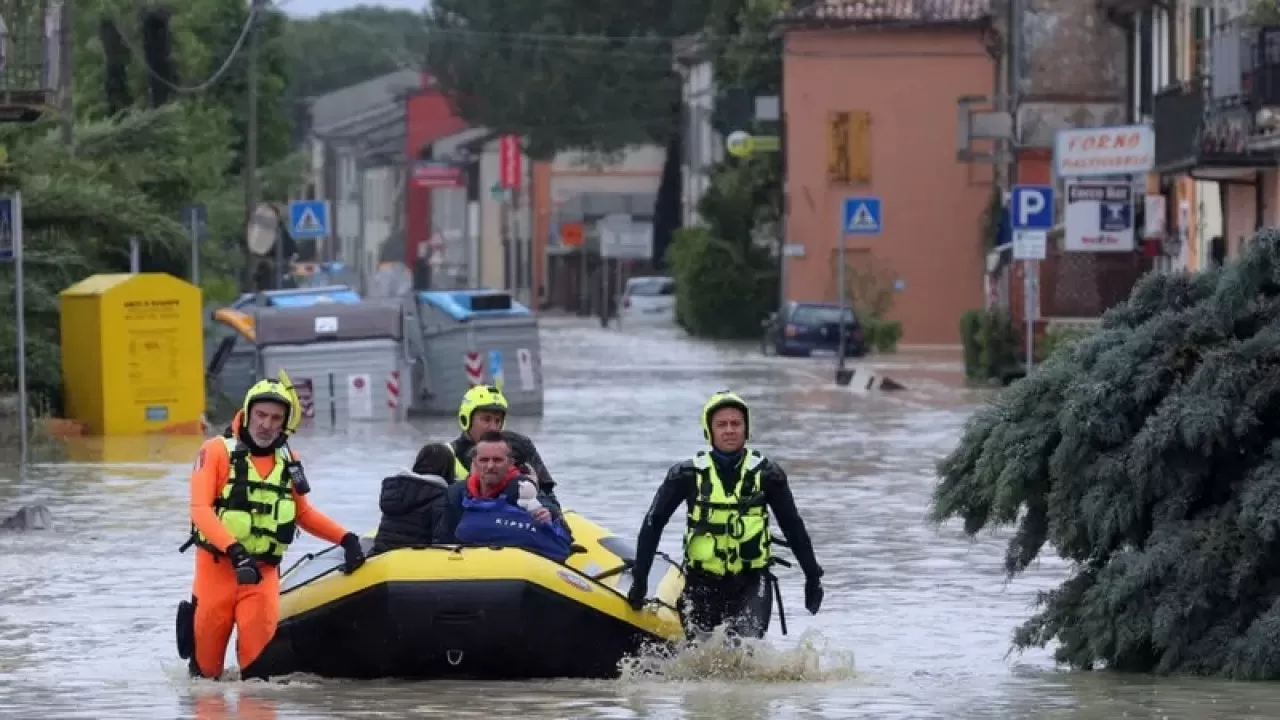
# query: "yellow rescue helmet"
{"type": "Point", "coordinates": [724, 399]}
{"type": "Point", "coordinates": [481, 397]}
{"type": "Point", "coordinates": [277, 391]}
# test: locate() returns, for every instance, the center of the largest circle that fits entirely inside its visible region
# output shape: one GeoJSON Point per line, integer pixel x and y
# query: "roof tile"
{"type": "Point", "coordinates": [873, 12]}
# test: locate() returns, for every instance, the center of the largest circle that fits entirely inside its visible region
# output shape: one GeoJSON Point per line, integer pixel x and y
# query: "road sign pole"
{"type": "Point", "coordinates": [20, 326]}
{"type": "Point", "coordinates": [840, 282]}
{"type": "Point", "coordinates": [1031, 306]}
{"type": "Point", "coordinates": [1032, 219]}
{"type": "Point", "coordinates": [279, 261]}
{"type": "Point", "coordinates": [194, 229]}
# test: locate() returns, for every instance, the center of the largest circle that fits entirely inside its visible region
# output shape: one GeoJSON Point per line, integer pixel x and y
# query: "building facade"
{"type": "Point", "coordinates": [571, 193]}
{"type": "Point", "coordinates": [357, 143]}
{"type": "Point", "coordinates": [1216, 126]}
{"type": "Point", "coordinates": [870, 93]}
{"type": "Point", "coordinates": [703, 146]}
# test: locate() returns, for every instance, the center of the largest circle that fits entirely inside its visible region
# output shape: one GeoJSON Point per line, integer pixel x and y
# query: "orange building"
{"type": "Point", "coordinates": [870, 94]}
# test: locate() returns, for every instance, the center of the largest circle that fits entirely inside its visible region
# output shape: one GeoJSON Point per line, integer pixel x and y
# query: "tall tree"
{"type": "Point", "coordinates": [113, 72]}
{"type": "Point", "coordinates": [334, 50]}
{"type": "Point", "coordinates": [275, 110]}
{"type": "Point", "coordinates": [128, 177]}
{"type": "Point", "coordinates": [562, 73]}
{"type": "Point", "coordinates": [1146, 456]}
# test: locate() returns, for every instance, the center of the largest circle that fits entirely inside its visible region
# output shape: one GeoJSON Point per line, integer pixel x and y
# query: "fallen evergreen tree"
{"type": "Point", "coordinates": [1148, 455]}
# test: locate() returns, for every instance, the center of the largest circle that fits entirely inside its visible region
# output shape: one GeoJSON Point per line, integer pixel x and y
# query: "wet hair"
{"type": "Point", "coordinates": [434, 459]}
{"type": "Point", "coordinates": [495, 436]}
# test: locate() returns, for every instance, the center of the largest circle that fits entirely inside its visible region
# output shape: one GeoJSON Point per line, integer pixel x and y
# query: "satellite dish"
{"type": "Point", "coordinates": [262, 229]}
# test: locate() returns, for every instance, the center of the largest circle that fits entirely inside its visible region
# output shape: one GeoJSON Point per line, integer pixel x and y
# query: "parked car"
{"type": "Point", "coordinates": [648, 300]}
{"type": "Point", "coordinates": [799, 329]}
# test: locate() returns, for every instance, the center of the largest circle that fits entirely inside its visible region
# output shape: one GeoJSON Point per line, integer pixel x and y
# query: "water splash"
{"type": "Point", "coordinates": [719, 658]}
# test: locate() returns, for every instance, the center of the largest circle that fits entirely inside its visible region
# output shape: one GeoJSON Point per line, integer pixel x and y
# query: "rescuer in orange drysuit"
{"type": "Point", "coordinates": [248, 498]}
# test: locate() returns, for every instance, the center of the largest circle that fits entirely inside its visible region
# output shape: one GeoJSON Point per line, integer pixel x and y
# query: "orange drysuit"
{"type": "Point", "coordinates": [221, 602]}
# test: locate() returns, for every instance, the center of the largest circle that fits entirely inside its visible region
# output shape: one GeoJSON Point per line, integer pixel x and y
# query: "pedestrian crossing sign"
{"type": "Point", "coordinates": [861, 216]}
{"type": "Point", "coordinates": [308, 223]}
{"type": "Point", "coordinates": [309, 219]}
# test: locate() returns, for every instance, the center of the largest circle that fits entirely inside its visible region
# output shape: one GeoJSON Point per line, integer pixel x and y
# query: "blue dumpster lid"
{"type": "Point", "coordinates": [463, 305]}
{"type": "Point", "coordinates": [302, 297]}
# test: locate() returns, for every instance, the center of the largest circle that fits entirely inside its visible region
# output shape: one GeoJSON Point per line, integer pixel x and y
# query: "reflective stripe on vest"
{"type": "Point", "coordinates": [259, 512]}
{"type": "Point", "coordinates": [727, 529]}
{"type": "Point", "coordinates": [460, 471]}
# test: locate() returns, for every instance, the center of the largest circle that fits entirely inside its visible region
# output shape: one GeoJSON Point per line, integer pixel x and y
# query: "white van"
{"type": "Point", "coordinates": [648, 300]}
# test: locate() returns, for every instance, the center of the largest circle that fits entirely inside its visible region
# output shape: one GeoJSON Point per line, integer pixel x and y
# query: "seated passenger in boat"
{"type": "Point", "coordinates": [527, 460]}
{"type": "Point", "coordinates": [413, 501]}
{"type": "Point", "coordinates": [499, 506]}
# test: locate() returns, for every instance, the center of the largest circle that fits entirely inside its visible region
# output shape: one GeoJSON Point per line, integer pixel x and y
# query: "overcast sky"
{"type": "Point", "coordinates": [308, 8]}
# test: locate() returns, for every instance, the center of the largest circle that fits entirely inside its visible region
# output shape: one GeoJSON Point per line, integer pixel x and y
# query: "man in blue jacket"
{"type": "Point", "coordinates": [498, 506]}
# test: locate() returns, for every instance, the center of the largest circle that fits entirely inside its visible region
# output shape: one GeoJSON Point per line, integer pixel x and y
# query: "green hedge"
{"type": "Point", "coordinates": [990, 345]}
{"type": "Point", "coordinates": [722, 289]}
{"type": "Point", "coordinates": [882, 335]}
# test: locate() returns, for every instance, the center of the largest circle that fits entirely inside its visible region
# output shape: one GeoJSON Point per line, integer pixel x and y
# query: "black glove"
{"type": "Point", "coordinates": [636, 595]}
{"type": "Point", "coordinates": [354, 554]}
{"type": "Point", "coordinates": [247, 572]}
{"type": "Point", "coordinates": [813, 594]}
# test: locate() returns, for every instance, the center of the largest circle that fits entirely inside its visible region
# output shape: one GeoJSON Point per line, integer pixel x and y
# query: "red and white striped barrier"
{"type": "Point", "coordinates": [393, 390]}
{"type": "Point", "coordinates": [475, 368]}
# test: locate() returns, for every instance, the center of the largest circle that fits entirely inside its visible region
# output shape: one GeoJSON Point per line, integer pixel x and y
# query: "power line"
{"type": "Point", "coordinates": [564, 45]}
{"type": "Point", "coordinates": [662, 43]}
{"type": "Point", "coordinates": [655, 46]}
{"type": "Point", "coordinates": [557, 46]}
{"type": "Point", "coordinates": [212, 79]}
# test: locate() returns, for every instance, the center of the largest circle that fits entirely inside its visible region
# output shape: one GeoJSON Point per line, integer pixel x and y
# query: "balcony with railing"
{"type": "Point", "coordinates": [30, 32]}
{"type": "Point", "coordinates": [1210, 126]}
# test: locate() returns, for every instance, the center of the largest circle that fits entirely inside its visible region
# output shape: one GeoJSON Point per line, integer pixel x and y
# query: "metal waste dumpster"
{"type": "Point", "coordinates": [300, 297]}
{"type": "Point", "coordinates": [346, 361]}
{"type": "Point", "coordinates": [473, 337]}
{"type": "Point", "coordinates": [230, 350]}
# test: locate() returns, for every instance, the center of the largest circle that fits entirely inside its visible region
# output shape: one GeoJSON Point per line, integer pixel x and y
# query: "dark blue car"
{"type": "Point", "coordinates": [801, 328]}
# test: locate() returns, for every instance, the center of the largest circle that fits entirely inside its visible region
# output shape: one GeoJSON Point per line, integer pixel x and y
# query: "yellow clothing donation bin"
{"type": "Point", "coordinates": [133, 354]}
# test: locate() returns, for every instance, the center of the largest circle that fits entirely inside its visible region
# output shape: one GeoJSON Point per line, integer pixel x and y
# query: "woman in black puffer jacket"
{"type": "Point", "coordinates": [412, 501]}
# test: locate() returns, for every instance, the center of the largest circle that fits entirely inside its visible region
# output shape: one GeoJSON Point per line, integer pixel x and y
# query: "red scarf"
{"type": "Point", "coordinates": [473, 485]}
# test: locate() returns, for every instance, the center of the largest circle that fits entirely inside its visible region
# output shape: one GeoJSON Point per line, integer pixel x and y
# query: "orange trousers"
{"type": "Point", "coordinates": [222, 603]}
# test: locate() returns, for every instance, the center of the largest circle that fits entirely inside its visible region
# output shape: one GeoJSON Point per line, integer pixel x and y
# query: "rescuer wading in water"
{"type": "Point", "coordinates": [248, 498]}
{"type": "Point", "coordinates": [729, 491]}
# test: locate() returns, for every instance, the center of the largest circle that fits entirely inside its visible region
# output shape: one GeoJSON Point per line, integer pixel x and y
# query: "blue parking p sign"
{"type": "Point", "coordinates": [1031, 207]}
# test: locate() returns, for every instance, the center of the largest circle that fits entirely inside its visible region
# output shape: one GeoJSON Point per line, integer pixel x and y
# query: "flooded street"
{"type": "Point", "coordinates": [87, 611]}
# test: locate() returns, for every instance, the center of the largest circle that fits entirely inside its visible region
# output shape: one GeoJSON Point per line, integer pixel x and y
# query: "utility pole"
{"type": "Point", "coordinates": [66, 56]}
{"type": "Point", "coordinates": [251, 124]}
{"type": "Point", "coordinates": [250, 165]}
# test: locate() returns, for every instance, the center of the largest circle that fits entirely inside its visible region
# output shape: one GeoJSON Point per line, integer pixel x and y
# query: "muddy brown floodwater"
{"type": "Point", "coordinates": [916, 624]}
